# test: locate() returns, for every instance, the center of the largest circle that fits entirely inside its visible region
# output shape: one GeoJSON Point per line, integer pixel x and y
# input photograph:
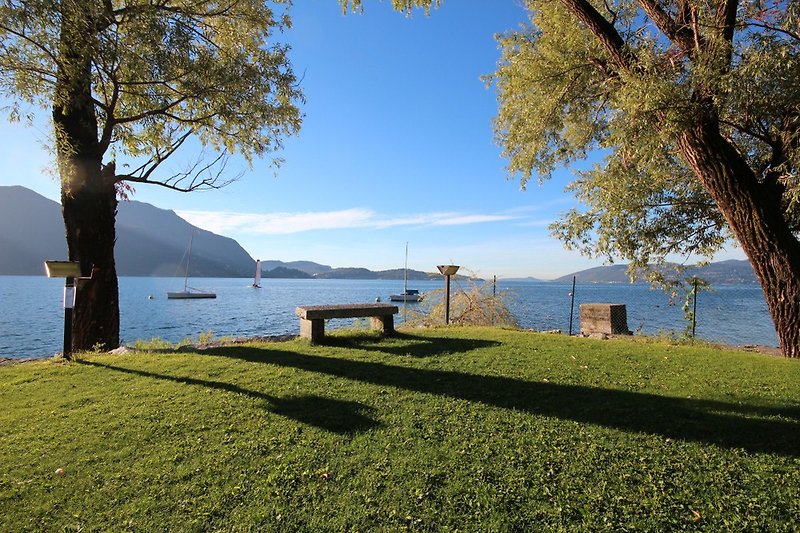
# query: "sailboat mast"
{"type": "Point", "coordinates": [405, 273]}
{"type": "Point", "coordinates": [188, 258]}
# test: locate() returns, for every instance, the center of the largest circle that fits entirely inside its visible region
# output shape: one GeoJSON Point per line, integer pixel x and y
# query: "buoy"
{"type": "Point", "coordinates": [378, 300]}
{"type": "Point", "coordinates": [151, 297]}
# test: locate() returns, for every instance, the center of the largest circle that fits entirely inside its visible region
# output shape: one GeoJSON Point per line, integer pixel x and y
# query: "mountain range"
{"type": "Point", "coordinates": [153, 242]}
{"type": "Point", "coordinates": [150, 242]}
{"type": "Point", "coordinates": [722, 272]}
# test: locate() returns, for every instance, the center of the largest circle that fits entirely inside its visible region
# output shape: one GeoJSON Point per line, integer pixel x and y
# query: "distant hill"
{"type": "Point", "coordinates": [348, 273]}
{"type": "Point", "coordinates": [285, 273]}
{"type": "Point", "coordinates": [278, 269]}
{"type": "Point", "coordinates": [309, 267]}
{"type": "Point", "coordinates": [150, 241]}
{"type": "Point", "coordinates": [601, 274]}
{"type": "Point", "coordinates": [363, 273]}
{"type": "Point", "coordinates": [722, 272]}
{"type": "Point", "coordinates": [730, 271]}
{"type": "Point", "coordinates": [414, 275]}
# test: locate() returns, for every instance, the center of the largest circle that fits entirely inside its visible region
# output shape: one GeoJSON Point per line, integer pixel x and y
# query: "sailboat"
{"type": "Point", "coordinates": [188, 293]}
{"type": "Point", "coordinates": [408, 295]}
{"type": "Point", "coordinates": [257, 278]}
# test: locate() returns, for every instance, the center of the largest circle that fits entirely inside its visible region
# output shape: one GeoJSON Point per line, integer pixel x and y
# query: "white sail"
{"type": "Point", "coordinates": [257, 278]}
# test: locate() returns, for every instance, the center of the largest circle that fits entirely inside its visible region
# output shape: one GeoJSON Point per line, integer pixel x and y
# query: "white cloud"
{"type": "Point", "coordinates": [277, 223]}
{"type": "Point", "coordinates": [460, 220]}
{"type": "Point", "coordinates": [287, 223]}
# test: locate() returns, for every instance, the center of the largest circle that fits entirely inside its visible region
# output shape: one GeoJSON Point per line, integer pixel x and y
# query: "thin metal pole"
{"type": "Point", "coordinates": [694, 310]}
{"type": "Point", "coordinates": [69, 301]}
{"type": "Point", "coordinates": [447, 301]}
{"type": "Point", "coordinates": [572, 305]}
{"type": "Point", "coordinates": [494, 287]}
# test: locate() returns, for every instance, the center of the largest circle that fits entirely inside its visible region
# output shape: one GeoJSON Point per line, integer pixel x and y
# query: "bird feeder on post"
{"type": "Point", "coordinates": [447, 271]}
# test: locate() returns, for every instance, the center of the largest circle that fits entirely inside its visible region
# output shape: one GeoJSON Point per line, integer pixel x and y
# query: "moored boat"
{"type": "Point", "coordinates": [189, 293]}
{"type": "Point", "coordinates": [408, 295]}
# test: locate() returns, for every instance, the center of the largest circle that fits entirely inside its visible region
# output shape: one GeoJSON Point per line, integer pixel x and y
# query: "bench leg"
{"type": "Point", "coordinates": [385, 322]}
{"type": "Point", "coordinates": [312, 329]}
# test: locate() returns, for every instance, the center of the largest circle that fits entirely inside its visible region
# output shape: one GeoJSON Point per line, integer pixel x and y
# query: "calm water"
{"type": "Point", "coordinates": [31, 321]}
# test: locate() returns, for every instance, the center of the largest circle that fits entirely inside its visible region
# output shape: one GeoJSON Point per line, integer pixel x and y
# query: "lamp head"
{"type": "Point", "coordinates": [448, 270]}
{"type": "Point", "coordinates": [62, 269]}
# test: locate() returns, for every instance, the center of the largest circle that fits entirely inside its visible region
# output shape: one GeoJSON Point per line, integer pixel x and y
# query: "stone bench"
{"type": "Point", "coordinates": [313, 317]}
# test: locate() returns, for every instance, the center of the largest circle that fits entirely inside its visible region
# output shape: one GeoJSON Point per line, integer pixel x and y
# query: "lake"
{"type": "Point", "coordinates": [32, 317]}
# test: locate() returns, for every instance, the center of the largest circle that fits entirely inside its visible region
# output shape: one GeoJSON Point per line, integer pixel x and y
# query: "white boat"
{"type": "Point", "coordinates": [189, 293]}
{"type": "Point", "coordinates": [257, 278]}
{"type": "Point", "coordinates": [408, 295]}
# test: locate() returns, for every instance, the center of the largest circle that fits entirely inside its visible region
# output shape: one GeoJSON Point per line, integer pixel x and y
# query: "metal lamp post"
{"type": "Point", "coordinates": [447, 271]}
{"type": "Point", "coordinates": [70, 270]}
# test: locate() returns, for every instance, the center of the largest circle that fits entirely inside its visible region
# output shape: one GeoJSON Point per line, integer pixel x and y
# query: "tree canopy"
{"type": "Point", "coordinates": [161, 72]}
{"type": "Point", "coordinates": [564, 93]}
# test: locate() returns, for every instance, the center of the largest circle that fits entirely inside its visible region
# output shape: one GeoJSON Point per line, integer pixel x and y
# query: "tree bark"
{"type": "Point", "coordinates": [88, 197]}
{"type": "Point", "coordinates": [89, 217]}
{"type": "Point", "coordinates": [753, 212]}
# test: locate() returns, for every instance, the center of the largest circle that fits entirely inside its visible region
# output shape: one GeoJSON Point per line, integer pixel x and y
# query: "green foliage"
{"type": "Point", "coordinates": [406, 6]}
{"type": "Point", "coordinates": [470, 429]}
{"type": "Point", "coordinates": [564, 94]}
{"type": "Point", "coordinates": [206, 337]}
{"type": "Point", "coordinates": [153, 344]}
{"type": "Point", "coordinates": [161, 72]}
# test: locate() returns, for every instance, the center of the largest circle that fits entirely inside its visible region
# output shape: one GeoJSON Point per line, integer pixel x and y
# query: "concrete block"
{"type": "Point", "coordinates": [610, 319]}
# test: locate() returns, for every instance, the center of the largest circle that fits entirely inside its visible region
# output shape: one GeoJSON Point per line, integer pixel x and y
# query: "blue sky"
{"type": "Point", "coordinates": [396, 146]}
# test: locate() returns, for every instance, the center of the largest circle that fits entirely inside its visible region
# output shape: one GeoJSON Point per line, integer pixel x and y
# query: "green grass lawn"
{"type": "Point", "coordinates": [468, 429]}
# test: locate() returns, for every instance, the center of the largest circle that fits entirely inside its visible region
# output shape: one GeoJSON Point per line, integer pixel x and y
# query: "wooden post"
{"type": "Point", "coordinates": [447, 301]}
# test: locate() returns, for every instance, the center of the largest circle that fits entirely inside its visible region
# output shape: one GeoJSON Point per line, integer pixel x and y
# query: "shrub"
{"type": "Point", "coordinates": [475, 305]}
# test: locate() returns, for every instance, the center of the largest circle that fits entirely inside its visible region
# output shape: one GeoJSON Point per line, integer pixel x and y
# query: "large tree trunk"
{"type": "Point", "coordinates": [89, 220]}
{"type": "Point", "coordinates": [88, 197]}
{"type": "Point", "coordinates": [753, 212]}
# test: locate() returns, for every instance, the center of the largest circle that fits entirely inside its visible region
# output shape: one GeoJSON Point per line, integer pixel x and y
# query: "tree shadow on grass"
{"type": "Point", "coordinates": [414, 346]}
{"type": "Point", "coordinates": [336, 416]}
{"type": "Point", "coordinates": [728, 425]}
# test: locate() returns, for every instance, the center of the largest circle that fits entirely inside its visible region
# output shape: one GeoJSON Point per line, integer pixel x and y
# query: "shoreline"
{"type": "Point", "coordinates": [770, 351]}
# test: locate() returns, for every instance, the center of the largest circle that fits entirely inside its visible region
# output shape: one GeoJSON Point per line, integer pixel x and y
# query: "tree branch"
{"type": "Point", "coordinates": [199, 176]}
{"type": "Point", "coordinates": [605, 32]}
{"type": "Point", "coordinates": [33, 43]}
{"type": "Point", "coordinates": [681, 34]}
{"type": "Point", "coordinates": [142, 173]}
{"type": "Point", "coordinates": [163, 110]}
{"type": "Point", "coordinates": [769, 27]}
